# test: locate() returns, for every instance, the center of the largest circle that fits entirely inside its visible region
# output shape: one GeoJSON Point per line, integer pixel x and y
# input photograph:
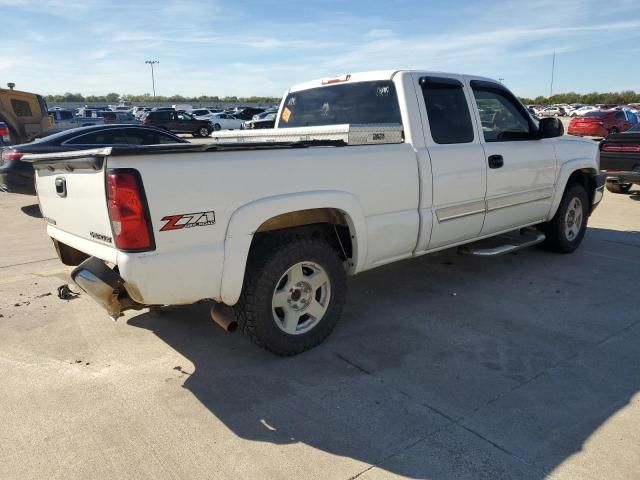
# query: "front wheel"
{"type": "Point", "coordinates": [565, 231]}
{"type": "Point", "coordinates": [615, 187]}
{"type": "Point", "coordinates": [294, 291]}
{"type": "Point", "coordinates": [203, 132]}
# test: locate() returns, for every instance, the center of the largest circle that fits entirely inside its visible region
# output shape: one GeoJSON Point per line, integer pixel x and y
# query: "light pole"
{"type": "Point", "coordinates": [153, 80]}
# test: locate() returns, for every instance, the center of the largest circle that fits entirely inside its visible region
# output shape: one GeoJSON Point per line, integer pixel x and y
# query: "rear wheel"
{"type": "Point", "coordinates": [565, 231]}
{"type": "Point", "coordinates": [615, 187]}
{"type": "Point", "coordinates": [295, 288]}
{"type": "Point", "coordinates": [217, 127]}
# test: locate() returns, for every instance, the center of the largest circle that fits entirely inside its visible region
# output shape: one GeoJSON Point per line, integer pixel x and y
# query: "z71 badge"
{"type": "Point", "coordinates": [188, 220]}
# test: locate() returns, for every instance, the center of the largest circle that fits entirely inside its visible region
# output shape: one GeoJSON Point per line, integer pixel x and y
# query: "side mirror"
{"type": "Point", "coordinates": [550, 127]}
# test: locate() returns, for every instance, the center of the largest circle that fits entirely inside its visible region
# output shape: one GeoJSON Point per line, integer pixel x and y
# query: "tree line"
{"type": "Point", "coordinates": [617, 98]}
{"type": "Point", "coordinates": [113, 98]}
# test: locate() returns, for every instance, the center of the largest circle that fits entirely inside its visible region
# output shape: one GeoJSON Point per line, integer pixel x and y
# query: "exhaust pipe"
{"type": "Point", "coordinates": [223, 316]}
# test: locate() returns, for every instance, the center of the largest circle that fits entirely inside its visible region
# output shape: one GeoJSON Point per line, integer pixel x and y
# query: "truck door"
{"type": "Point", "coordinates": [520, 168]}
{"type": "Point", "coordinates": [457, 160]}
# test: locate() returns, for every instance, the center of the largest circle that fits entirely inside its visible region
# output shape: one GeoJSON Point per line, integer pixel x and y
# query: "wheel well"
{"type": "Point", "coordinates": [584, 177]}
{"type": "Point", "coordinates": [330, 224]}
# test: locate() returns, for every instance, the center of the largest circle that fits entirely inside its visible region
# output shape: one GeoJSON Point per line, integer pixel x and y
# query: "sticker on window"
{"type": "Point", "coordinates": [286, 114]}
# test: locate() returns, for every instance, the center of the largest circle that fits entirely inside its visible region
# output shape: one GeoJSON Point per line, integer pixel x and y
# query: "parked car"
{"type": "Point", "coordinates": [178, 122]}
{"type": "Point", "coordinates": [65, 119]}
{"type": "Point", "coordinates": [119, 117]}
{"type": "Point", "coordinates": [578, 112]}
{"type": "Point", "coordinates": [601, 123]}
{"type": "Point", "coordinates": [201, 112]}
{"type": "Point", "coordinates": [620, 160]}
{"type": "Point", "coordinates": [223, 121]}
{"type": "Point", "coordinates": [551, 112]}
{"type": "Point", "coordinates": [247, 113]}
{"type": "Point", "coordinates": [263, 121]}
{"type": "Point", "coordinates": [139, 110]}
{"type": "Point", "coordinates": [17, 176]}
{"type": "Point", "coordinates": [275, 231]}
{"type": "Point", "coordinates": [163, 109]}
{"type": "Point", "coordinates": [5, 135]}
{"type": "Point", "coordinates": [182, 107]}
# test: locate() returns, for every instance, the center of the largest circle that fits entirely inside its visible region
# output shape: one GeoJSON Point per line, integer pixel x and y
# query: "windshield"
{"type": "Point", "coordinates": [362, 102]}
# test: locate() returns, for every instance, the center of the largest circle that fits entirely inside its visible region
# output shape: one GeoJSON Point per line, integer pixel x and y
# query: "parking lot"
{"type": "Point", "coordinates": [521, 366]}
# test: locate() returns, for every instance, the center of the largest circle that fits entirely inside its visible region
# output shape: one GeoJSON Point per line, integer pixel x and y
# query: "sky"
{"type": "Point", "coordinates": [253, 47]}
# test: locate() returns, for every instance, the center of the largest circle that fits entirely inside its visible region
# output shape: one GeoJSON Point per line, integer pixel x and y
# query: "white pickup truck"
{"type": "Point", "coordinates": [360, 171]}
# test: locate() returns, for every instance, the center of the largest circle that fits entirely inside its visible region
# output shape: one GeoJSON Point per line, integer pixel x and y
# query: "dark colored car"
{"type": "Point", "coordinates": [178, 122]}
{"type": "Point", "coordinates": [247, 113]}
{"type": "Point", "coordinates": [601, 123]}
{"type": "Point", "coordinates": [620, 160]}
{"type": "Point", "coordinates": [265, 121]}
{"type": "Point", "coordinates": [17, 176]}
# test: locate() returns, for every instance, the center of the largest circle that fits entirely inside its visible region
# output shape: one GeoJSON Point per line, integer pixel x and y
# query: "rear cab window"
{"type": "Point", "coordinates": [354, 103]}
{"type": "Point", "coordinates": [447, 110]}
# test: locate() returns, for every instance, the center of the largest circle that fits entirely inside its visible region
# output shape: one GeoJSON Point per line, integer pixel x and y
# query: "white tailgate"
{"type": "Point", "coordinates": [82, 212]}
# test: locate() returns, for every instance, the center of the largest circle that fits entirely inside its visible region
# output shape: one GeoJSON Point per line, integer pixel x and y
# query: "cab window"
{"type": "Point", "coordinates": [502, 116]}
{"type": "Point", "coordinates": [447, 110]}
{"type": "Point", "coordinates": [21, 108]}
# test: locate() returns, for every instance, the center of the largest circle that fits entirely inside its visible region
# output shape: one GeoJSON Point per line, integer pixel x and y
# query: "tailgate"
{"type": "Point", "coordinates": [72, 195]}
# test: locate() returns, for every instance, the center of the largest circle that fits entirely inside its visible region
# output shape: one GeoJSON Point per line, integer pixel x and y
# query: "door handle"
{"type": "Point", "coordinates": [496, 161]}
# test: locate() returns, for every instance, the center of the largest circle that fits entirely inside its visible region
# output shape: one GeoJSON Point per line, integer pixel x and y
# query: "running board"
{"type": "Point", "coordinates": [501, 244]}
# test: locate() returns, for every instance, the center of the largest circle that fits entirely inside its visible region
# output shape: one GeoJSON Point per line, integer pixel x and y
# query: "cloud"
{"type": "Point", "coordinates": [222, 48]}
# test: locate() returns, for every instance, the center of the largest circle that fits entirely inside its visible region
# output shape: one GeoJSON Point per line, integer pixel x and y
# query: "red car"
{"type": "Point", "coordinates": [600, 123]}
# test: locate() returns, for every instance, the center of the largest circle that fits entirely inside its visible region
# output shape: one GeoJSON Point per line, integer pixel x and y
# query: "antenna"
{"type": "Point", "coordinates": [553, 67]}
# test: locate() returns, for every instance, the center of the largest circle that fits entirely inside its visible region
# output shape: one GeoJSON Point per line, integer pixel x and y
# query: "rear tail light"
{"type": "Point", "coordinates": [11, 155]}
{"type": "Point", "coordinates": [618, 147]}
{"type": "Point", "coordinates": [4, 132]}
{"type": "Point", "coordinates": [128, 211]}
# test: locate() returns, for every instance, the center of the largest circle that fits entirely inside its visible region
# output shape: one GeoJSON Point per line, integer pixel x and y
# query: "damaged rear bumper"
{"type": "Point", "coordinates": [104, 285]}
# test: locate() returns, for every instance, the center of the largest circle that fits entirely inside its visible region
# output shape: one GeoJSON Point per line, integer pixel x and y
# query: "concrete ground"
{"type": "Point", "coordinates": [523, 366]}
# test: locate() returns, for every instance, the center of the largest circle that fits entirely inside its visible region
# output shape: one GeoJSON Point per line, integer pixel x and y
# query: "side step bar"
{"type": "Point", "coordinates": [501, 244]}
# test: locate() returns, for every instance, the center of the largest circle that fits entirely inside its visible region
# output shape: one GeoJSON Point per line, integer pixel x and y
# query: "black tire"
{"type": "Point", "coordinates": [269, 261]}
{"type": "Point", "coordinates": [203, 132]}
{"type": "Point", "coordinates": [557, 238]}
{"type": "Point", "coordinates": [217, 127]}
{"type": "Point", "coordinates": [615, 187]}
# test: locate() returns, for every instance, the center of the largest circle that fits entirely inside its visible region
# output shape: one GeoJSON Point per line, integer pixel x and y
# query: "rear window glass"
{"type": "Point", "coordinates": [595, 114]}
{"type": "Point", "coordinates": [21, 108]}
{"type": "Point", "coordinates": [362, 102]}
{"type": "Point", "coordinates": [448, 112]}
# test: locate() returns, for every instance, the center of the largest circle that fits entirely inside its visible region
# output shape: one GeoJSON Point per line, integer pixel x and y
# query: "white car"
{"type": "Point", "coordinates": [551, 112]}
{"type": "Point", "coordinates": [222, 121]}
{"type": "Point", "coordinates": [362, 170]}
{"type": "Point", "coordinates": [579, 112]}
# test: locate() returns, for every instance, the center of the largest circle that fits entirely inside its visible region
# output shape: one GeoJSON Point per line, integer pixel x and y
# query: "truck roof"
{"type": "Point", "coordinates": [368, 76]}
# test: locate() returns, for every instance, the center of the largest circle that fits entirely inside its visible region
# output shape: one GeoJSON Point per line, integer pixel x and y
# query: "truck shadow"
{"type": "Point", "coordinates": [442, 367]}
